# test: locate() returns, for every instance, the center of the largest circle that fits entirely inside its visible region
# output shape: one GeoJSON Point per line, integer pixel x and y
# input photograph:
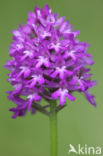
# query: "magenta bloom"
{"type": "Point", "coordinates": [47, 62]}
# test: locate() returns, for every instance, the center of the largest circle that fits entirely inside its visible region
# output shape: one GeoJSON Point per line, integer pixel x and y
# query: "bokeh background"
{"type": "Point", "coordinates": [80, 122]}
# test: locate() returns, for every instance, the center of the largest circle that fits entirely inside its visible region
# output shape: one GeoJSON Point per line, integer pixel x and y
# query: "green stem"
{"type": "Point", "coordinates": [53, 128]}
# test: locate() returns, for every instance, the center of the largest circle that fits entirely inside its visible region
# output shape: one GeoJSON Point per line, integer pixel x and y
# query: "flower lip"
{"type": "Point", "coordinates": [62, 94]}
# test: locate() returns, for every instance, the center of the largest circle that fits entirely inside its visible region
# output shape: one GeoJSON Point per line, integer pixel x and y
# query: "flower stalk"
{"type": "Point", "coordinates": [53, 128]}
{"type": "Point", "coordinates": [40, 108]}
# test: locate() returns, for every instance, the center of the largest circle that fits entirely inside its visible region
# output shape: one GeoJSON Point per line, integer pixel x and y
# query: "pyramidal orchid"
{"type": "Point", "coordinates": [48, 62]}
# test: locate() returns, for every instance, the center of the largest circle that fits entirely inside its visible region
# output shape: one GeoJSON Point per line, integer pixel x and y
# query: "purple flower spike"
{"type": "Point", "coordinates": [47, 62]}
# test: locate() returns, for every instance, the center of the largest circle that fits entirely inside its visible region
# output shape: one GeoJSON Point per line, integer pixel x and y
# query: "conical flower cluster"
{"type": "Point", "coordinates": [47, 62]}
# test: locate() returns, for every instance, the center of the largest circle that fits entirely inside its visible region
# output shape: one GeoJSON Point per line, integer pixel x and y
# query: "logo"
{"type": "Point", "coordinates": [84, 149]}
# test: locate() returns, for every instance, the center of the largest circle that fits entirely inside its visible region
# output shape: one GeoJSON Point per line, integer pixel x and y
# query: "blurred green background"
{"type": "Point", "coordinates": [80, 122]}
